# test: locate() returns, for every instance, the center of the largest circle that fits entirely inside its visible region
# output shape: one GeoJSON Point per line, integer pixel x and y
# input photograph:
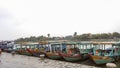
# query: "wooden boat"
{"type": "Point", "coordinates": [32, 49]}
{"type": "Point", "coordinates": [37, 52]}
{"type": "Point", "coordinates": [6, 46]}
{"type": "Point", "coordinates": [25, 52]}
{"type": "Point", "coordinates": [70, 52]}
{"type": "Point", "coordinates": [99, 53]}
{"type": "Point", "coordinates": [115, 51]}
{"type": "Point", "coordinates": [39, 49]}
{"type": "Point", "coordinates": [53, 55]}
{"type": "Point", "coordinates": [23, 49]}
{"type": "Point", "coordinates": [71, 58]}
{"type": "Point", "coordinates": [101, 59]}
{"type": "Point", "coordinates": [85, 48]}
{"type": "Point", "coordinates": [53, 51]}
{"type": "Point", "coordinates": [8, 49]}
{"type": "Point", "coordinates": [17, 48]}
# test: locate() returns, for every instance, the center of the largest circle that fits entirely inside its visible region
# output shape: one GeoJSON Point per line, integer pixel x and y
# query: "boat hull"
{"type": "Point", "coordinates": [54, 55]}
{"type": "Point", "coordinates": [35, 53]}
{"type": "Point", "coordinates": [101, 59]}
{"type": "Point", "coordinates": [71, 58]}
{"type": "Point", "coordinates": [24, 52]}
{"type": "Point", "coordinates": [7, 50]}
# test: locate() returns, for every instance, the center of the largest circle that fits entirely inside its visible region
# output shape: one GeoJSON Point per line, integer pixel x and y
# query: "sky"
{"type": "Point", "coordinates": [24, 18]}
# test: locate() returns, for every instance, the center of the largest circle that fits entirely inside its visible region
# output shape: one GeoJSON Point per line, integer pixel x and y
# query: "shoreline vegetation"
{"type": "Point", "coordinates": [115, 36]}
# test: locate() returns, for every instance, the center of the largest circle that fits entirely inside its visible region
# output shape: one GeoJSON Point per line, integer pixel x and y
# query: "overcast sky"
{"type": "Point", "coordinates": [24, 18]}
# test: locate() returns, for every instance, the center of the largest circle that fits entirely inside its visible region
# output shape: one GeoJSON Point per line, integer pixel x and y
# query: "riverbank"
{"type": "Point", "coordinates": [21, 61]}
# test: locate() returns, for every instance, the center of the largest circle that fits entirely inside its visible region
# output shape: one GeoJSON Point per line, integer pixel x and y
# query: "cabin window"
{"type": "Point", "coordinates": [63, 48]}
{"type": "Point", "coordinates": [28, 47]}
{"type": "Point", "coordinates": [18, 46]}
{"type": "Point", "coordinates": [32, 46]}
{"type": "Point", "coordinates": [23, 46]}
{"type": "Point", "coordinates": [88, 46]}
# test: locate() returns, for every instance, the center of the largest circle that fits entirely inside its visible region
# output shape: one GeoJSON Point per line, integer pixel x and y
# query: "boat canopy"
{"type": "Point", "coordinates": [116, 44]}
{"type": "Point", "coordinates": [106, 43]}
{"type": "Point", "coordinates": [70, 43]}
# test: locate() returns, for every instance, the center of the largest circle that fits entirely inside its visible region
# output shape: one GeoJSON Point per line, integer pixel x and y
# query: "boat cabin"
{"type": "Point", "coordinates": [103, 48]}
{"type": "Point", "coordinates": [70, 47]}
{"type": "Point", "coordinates": [54, 47]}
{"type": "Point", "coordinates": [85, 47]}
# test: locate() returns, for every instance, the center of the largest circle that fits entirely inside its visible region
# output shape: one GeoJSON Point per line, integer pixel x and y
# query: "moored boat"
{"type": "Point", "coordinates": [101, 59]}
{"type": "Point", "coordinates": [7, 46]}
{"type": "Point", "coordinates": [53, 55]}
{"type": "Point", "coordinates": [115, 51]}
{"type": "Point", "coordinates": [70, 52]}
{"type": "Point", "coordinates": [39, 49]}
{"type": "Point", "coordinates": [100, 55]}
{"type": "Point", "coordinates": [23, 49]}
{"type": "Point", "coordinates": [53, 51]}
{"type": "Point", "coordinates": [85, 48]}
{"type": "Point", "coordinates": [71, 58]}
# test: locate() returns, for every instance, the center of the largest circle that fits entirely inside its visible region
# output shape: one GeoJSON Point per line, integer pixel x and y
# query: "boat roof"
{"type": "Point", "coordinates": [116, 44]}
{"type": "Point", "coordinates": [28, 43]}
{"type": "Point", "coordinates": [85, 43]}
{"type": "Point", "coordinates": [43, 42]}
{"type": "Point", "coordinates": [55, 43]}
{"type": "Point", "coordinates": [71, 43]}
{"type": "Point", "coordinates": [103, 43]}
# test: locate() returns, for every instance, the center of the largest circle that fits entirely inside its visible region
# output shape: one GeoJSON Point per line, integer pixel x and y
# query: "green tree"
{"type": "Point", "coordinates": [116, 35]}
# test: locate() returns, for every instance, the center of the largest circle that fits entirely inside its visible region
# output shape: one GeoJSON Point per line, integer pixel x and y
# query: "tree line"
{"type": "Point", "coordinates": [75, 37]}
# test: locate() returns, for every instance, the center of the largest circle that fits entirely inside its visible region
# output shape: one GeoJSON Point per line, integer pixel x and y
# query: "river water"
{"type": "Point", "coordinates": [21, 61]}
{"type": "Point", "coordinates": [91, 63]}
